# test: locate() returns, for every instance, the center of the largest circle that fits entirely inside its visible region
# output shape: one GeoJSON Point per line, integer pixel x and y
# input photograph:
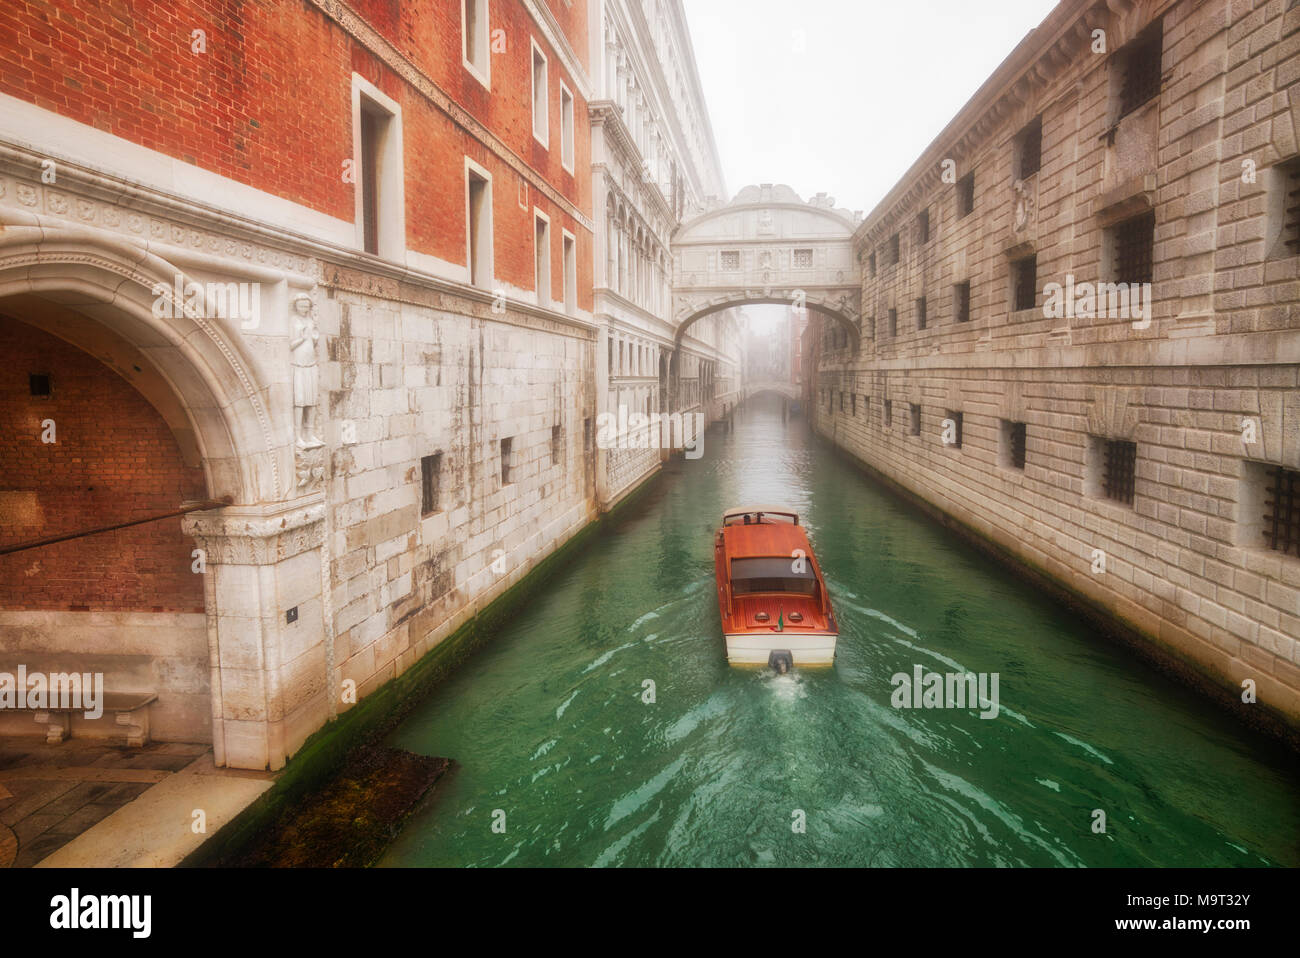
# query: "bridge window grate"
{"type": "Point", "coordinates": [1024, 274]}
{"type": "Point", "coordinates": [920, 313]}
{"type": "Point", "coordinates": [803, 259]}
{"type": "Point", "coordinates": [1135, 249]}
{"type": "Point", "coordinates": [1141, 65]}
{"type": "Point", "coordinates": [1120, 469]}
{"type": "Point", "coordinates": [1282, 515]}
{"type": "Point", "coordinates": [731, 260]}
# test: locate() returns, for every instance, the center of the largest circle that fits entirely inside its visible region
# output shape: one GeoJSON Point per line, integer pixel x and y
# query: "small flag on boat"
{"type": "Point", "coordinates": [780, 620]}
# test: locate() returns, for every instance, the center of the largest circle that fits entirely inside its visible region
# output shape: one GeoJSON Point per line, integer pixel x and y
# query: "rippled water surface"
{"type": "Point", "coordinates": [547, 723]}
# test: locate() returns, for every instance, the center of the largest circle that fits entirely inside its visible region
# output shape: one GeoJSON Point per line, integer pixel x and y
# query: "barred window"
{"type": "Point", "coordinates": [1135, 249]}
{"type": "Point", "coordinates": [1015, 433]}
{"type": "Point", "coordinates": [923, 227]}
{"type": "Point", "coordinates": [1141, 62]}
{"type": "Point", "coordinates": [966, 195]}
{"type": "Point", "coordinates": [871, 261]}
{"type": "Point", "coordinates": [1030, 152]}
{"type": "Point", "coordinates": [803, 259]}
{"type": "Point", "coordinates": [507, 460]}
{"type": "Point", "coordinates": [889, 413]}
{"type": "Point", "coordinates": [915, 410]}
{"type": "Point", "coordinates": [920, 313]}
{"type": "Point", "coordinates": [1291, 207]}
{"type": "Point", "coordinates": [430, 473]}
{"type": "Point", "coordinates": [893, 322]}
{"type": "Point", "coordinates": [1119, 467]}
{"type": "Point", "coordinates": [1282, 510]}
{"type": "Point", "coordinates": [730, 259]}
{"type": "Point", "coordinates": [557, 443]}
{"type": "Point", "coordinates": [961, 302]}
{"type": "Point", "coordinates": [895, 250]}
{"type": "Point", "coordinates": [853, 404]}
{"type": "Point", "coordinates": [956, 419]}
{"type": "Point", "coordinates": [1024, 279]}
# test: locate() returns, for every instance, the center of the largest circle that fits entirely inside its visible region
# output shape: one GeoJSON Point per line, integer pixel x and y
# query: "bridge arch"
{"type": "Point", "coordinates": [768, 246]}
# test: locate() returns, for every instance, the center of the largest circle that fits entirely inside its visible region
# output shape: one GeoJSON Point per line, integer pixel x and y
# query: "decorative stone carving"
{"type": "Point", "coordinates": [302, 347]}
{"type": "Point", "coordinates": [1024, 205]}
{"type": "Point", "coordinates": [1111, 413]}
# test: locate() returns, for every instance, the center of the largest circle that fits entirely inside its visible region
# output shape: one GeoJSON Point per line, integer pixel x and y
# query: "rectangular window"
{"type": "Point", "coordinates": [915, 410]}
{"type": "Point", "coordinates": [1291, 207]}
{"type": "Point", "coordinates": [557, 445]}
{"type": "Point", "coordinates": [1134, 245]}
{"type": "Point", "coordinates": [1281, 501]}
{"type": "Point", "coordinates": [474, 30]}
{"type": "Point", "coordinates": [730, 260]}
{"type": "Point", "coordinates": [920, 313]}
{"type": "Point", "coordinates": [370, 122]}
{"type": "Point", "coordinates": [853, 404]}
{"type": "Point", "coordinates": [966, 195]}
{"type": "Point", "coordinates": [895, 250]}
{"type": "Point", "coordinates": [479, 210]}
{"type": "Point", "coordinates": [889, 413]}
{"type": "Point", "coordinates": [430, 473]}
{"type": "Point", "coordinates": [1024, 283]}
{"type": "Point", "coordinates": [507, 454]}
{"type": "Point", "coordinates": [39, 384]}
{"type": "Point", "coordinates": [893, 322]}
{"type": "Point", "coordinates": [1118, 469]}
{"type": "Point", "coordinates": [566, 127]}
{"type": "Point", "coordinates": [803, 259]}
{"type": "Point", "coordinates": [841, 402]}
{"type": "Point", "coordinates": [570, 275]}
{"type": "Point", "coordinates": [1013, 444]}
{"type": "Point", "coordinates": [953, 433]}
{"type": "Point", "coordinates": [871, 262]}
{"type": "Point", "coordinates": [1140, 62]}
{"type": "Point", "coordinates": [923, 227]}
{"type": "Point", "coordinates": [1029, 149]}
{"type": "Point", "coordinates": [541, 98]}
{"type": "Point", "coordinates": [542, 258]}
{"type": "Point", "coordinates": [961, 302]}
{"type": "Point", "coordinates": [1284, 209]}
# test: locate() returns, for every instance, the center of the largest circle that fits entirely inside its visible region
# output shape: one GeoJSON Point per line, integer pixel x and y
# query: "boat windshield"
{"type": "Point", "coordinates": [772, 574]}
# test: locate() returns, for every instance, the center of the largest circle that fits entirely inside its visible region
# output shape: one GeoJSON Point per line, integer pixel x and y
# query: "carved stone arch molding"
{"type": "Point", "coordinates": [1112, 412]}
{"type": "Point", "coordinates": [111, 282]}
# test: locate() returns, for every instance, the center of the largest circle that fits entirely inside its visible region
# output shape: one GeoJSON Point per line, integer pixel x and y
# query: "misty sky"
{"type": "Point", "coordinates": [842, 96]}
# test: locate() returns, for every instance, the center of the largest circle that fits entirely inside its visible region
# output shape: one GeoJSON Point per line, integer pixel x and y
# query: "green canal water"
{"type": "Point", "coordinates": [554, 742]}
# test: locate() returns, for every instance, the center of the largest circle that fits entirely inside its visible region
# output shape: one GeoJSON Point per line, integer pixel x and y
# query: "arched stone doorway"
{"type": "Point", "coordinates": [182, 387]}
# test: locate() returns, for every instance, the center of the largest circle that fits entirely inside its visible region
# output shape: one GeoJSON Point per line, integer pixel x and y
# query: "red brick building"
{"type": "Point", "coordinates": [330, 260]}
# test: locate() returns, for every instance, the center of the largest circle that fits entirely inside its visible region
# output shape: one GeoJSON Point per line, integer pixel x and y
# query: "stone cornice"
{"type": "Point", "coordinates": [1025, 75]}
{"type": "Point", "coordinates": [252, 536]}
{"type": "Point", "coordinates": [376, 43]}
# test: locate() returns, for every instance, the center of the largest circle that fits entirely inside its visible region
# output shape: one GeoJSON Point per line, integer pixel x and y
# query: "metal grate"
{"type": "Point", "coordinates": [1135, 249]}
{"type": "Point", "coordinates": [920, 313]}
{"type": "Point", "coordinates": [916, 418]}
{"type": "Point", "coordinates": [889, 413]}
{"type": "Point", "coordinates": [1291, 203]}
{"type": "Point", "coordinates": [1282, 520]}
{"type": "Point", "coordinates": [1026, 282]}
{"type": "Point", "coordinates": [1031, 148]}
{"type": "Point", "coordinates": [895, 250]}
{"type": "Point", "coordinates": [1018, 445]}
{"type": "Point", "coordinates": [893, 322]}
{"type": "Point", "coordinates": [430, 471]}
{"type": "Point", "coordinates": [1120, 468]}
{"type": "Point", "coordinates": [962, 306]}
{"type": "Point", "coordinates": [1141, 69]}
{"type": "Point", "coordinates": [956, 418]}
{"type": "Point", "coordinates": [923, 227]}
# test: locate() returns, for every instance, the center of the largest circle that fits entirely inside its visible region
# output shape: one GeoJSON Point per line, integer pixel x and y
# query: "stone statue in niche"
{"type": "Point", "coordinates": [1024, 210]}
{"type": "Point", "coordinates": [765, 225]}
{"type": "Point", "coordinates": [309, 451]}
{"type": "Point", "coordinates": [302, 349]}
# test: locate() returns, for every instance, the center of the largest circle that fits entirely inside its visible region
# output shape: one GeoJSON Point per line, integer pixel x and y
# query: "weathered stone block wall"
{"type": "Point", "coordinates": [1186, 563]}
{"type": "Point", "coordinates": [413, 380]}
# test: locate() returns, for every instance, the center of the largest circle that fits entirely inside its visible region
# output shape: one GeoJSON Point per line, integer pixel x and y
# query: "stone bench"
{"type": "Point", "coordinates": [129, 709]}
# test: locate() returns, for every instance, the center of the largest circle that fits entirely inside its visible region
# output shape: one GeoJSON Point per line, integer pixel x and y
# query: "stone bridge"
{"type": "Point", "coordinates": [768, 246]}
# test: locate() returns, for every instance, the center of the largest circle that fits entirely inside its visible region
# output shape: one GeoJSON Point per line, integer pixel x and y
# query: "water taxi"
{"type": "Point", "coordinates": [771, 596]}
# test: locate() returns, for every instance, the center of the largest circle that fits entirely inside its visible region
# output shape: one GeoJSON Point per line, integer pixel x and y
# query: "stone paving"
{"type": "Point", "coordinates": [50, 794]}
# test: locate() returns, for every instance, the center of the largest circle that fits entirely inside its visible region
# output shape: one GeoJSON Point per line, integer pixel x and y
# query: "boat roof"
{"type": "Point", "coordinates": [766, 510]}
{"type": "Point", "coordinates": [765, 539]}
